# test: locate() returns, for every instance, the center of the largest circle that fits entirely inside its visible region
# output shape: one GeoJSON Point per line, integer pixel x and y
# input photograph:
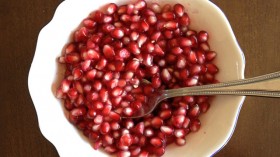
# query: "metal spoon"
{"type": "Point", "coordinates": [265, 86]}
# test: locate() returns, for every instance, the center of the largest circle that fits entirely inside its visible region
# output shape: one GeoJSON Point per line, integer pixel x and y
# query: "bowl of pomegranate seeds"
{"type": "Point", "coordinates": [90, 61]}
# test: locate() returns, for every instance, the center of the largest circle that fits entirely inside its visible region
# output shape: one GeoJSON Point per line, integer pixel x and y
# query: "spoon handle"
{"type": "Point", "coordinates": [266, 86]}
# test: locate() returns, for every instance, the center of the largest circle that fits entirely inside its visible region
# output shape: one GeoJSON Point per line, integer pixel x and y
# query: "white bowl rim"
{"type": "Point", "coordinates": [242, 70]}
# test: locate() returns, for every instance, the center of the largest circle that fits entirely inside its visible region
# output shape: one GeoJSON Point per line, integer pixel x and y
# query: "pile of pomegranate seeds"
{"type": "Point", "coordinates": [109, 56]}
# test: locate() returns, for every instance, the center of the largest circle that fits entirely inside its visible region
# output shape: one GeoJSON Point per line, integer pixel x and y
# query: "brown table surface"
{"type": "Point", "coordinates": [256, 24]}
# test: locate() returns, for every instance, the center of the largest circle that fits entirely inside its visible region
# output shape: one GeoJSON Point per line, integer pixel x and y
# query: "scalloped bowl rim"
{"type": "Point", "coordinates": [34, 92]}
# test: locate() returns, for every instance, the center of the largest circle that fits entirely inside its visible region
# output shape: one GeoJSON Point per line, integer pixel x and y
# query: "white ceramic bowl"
{"type": "Point", "coordinates": [217, 125]}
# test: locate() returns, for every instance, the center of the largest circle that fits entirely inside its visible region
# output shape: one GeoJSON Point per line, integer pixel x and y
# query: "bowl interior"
{"type": "Point", "coordinates": [217, 125]}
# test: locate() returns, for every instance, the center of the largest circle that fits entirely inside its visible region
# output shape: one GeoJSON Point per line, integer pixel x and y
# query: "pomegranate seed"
{"type": "Point", "coordinates": [204, 46]}
{"type": "Point", "coordinates": [133, 65]}
{"type": "Point", "coordinates": [165, 75]}
{"type": "Point", "coordinates": [202, 36]}
{"type": "Point", "coordinates": [166, 8]}
{"type": "Point", "coordinates": [141, 40]}
{"type": "Point", "coordinates": [123, 154]}
{"type": "Point", "coordinates": [103, 94]}
{"type": "Point", "coordinates": [178, 120]}
{"type": "Point", "coordinates": [72, 93]}
{"type": "Point", "coordinates": [138, 129]}
{"type": "Point", "coordinates": [110, 149]}
{"type": "Point", "coordinates": [181, 62]}
{"type": "Point", "coordinates": [72, 58]}
{"type": "Point", "coordinates": [147, 59]}
{"type": "Point", "coordinates": [195, 125]}
{"type": "Point", "coordinates": [91, 54]}
{"type": "Point", "coordinates": [105, 128]}
{"type": "Point", "coordinates": [157, 142]}
{"type": "Point", "coordinates": [168, 15]}
{"type": "Point", "coordinates": [108, 51]}
{"type": "Point", "coordinates": [111, 8]}
{"type": "Point", "coordinates": [192, 57]}
{"type": "Point", "coordinates": [143, 154]}
{"type": "Point", "coordinates": [179, 133]}
{"type": "Point", "coordinates": [98, 119]}
{"type": "Point", "coordinates": [65, 85]}
{"type": "Point", "coordinates": [139, 5]}
{"type": "Point", "coordinates": [184, 21]}
{"type": "Point", "coordinates": [152, 20]}
{"type": "Point", "coordinates": [128, 111]}
{"type": "Point", "coordinates": [157, 122]}
{"type": "Point", "coordinates": [85, 65]}
{"type": "Point", "coordinates": [180, 141]}
{"type": "Point", "coordinates": [135, 151]}
{"type": "Point", "coordinates": [97, 144]}
{"type": "Point", "coordinates": [159, 151]}
{"type": "Point", "coordinates": [148, 132]}
{"type": "Point", "coordinates": [179, 10]}
{"type": "Point", "coordinates": [211, 68]}
{"type": "Point", "coordinates": [171, 25]}
{"type": "Point", "coordinates": [126, 140]}
{"type": "Point", "coordinates": [168, 131]}
{"type": "Point", "coordinates": [210, 55]}
{"type": "Point", "coordinates": [81, 35]}
{"type": "Point", "coordinates": [204, 107]}
{"type": "Point", "coordinates": [117, 33]}
{"type": "Point", "coordinates": [133, 47]}
{"type": "Point", "coordinates": [114, 116]}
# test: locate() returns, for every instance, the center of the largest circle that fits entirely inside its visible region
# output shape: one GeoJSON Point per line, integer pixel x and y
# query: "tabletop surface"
{"type": "Point", "coordinates": [256, 25]}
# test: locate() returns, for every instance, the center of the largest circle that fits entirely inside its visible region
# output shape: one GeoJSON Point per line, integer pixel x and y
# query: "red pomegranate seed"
{"type": "Point", "coordinates": [123, 154]}
{"type": "Point", "coordinates": [210, 55]}
{"type": "Point", "coordinates": [72, 58]}
{"type": "Point", "coordinates": [91, 54]}
{"type": "Point", "coordinates": [147, 59]}
{"type": "Point", "coordinates": [128, 111]}
{"type": "Point", "coordinates": [159, 151]}
{"type": "Point", "coordinates": [126, 140]}
{"type": "Point", "coordinates": [111, 8]}
{"type": "Point", "coordinates": [212, 68]}
{"type": "Point", "coordinates": [135, 151]}
{"type": "Point", "coordinates": [184, 21]}
{"type": "Point", "coordinates": [168, 131]}
{"type": "Point", "coordinates": [97, 144]}
{"type": "Point", "coordinates": [108, 51]}
{"type": "Point", "coordinates": [181, 62]}
{"type": "Point", "coordinates": [165, 75]}
{"type": "Point", "coordinates": [204, 46]}
{"type": "Point", "coordinates": [155, 7]}
{"type": "Point", "coordinates": [178, 120]}
{"type": "Point", "coordinates": [168, 15]}
{"type": "Point", "coordinates": [179, 133]}
{"type": "Point", "coordinates": [166, 8]}
{"type": "Point", "coordinates": [110, 149]}
{"type": "Point", "coordinates": [133, 47]}
{"type": "Point", "coordinates": [117, 33]}
{"type": "Point", "coordinates": [138, 129]}
{"type": "Point", "coordinates": [143, 154]}
{"type": "Point", "coordinates": [98, 119]}
{"type": "Point", "coordinates": [176, 50]}
{"type": "Point", "coordinates": [202, 36]}
{"type": "Point", "coordinates": [133, 65]}
{"type": "Point", "coordinates": [105, 128]}
{"type": "Point", "coordinates": [71, 47]}
{"type": "Point", "coordinates": [139, 5]}
{"type": "Point", "coordinates": [65, 85]}
{"type": "Point", "coordinates": [157, 122]}
{"type": "Point", "coordinates": [85, 65]}
{"type": "Point", "coordinates": [195, 125]}
{"type": "Point", "coordinates": [204, 107]}
{"type": "Point", "coordinates": [156, 142]}
{"type": "Point", "coordinates": [103, 94]}
{"type": "Point", "coordinates": [148, 132]}
{"type": "Point", "coordinates": [179, 9]}
{"type": "Point", "coordinates": [81, 34]}
{"type": "Point", "coordinates": [180, 141]}
{"type": "Point", "coordinates": [171, 25]}
{"type": "Point", "coordinates": [114, 116]}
